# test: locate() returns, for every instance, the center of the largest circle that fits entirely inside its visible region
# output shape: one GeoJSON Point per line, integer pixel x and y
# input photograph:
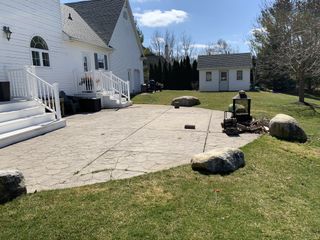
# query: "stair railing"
{"type": "Point", "coordinates": [24, 83]}
{"type": "Point", "coordinates": [115, 85]}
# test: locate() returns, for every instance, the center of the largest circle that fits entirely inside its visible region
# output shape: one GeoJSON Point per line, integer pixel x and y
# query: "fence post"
{"type": "Point", "coordinates": [94, 79]}
{"type": "Point", "coordinates": [57, 100]}
{"type": "Point", "coordinates": [29, 85]}
{"type": "Point", "coordinates": [128, 87]}
{"type": "Point", "coordinates": [110, 83]}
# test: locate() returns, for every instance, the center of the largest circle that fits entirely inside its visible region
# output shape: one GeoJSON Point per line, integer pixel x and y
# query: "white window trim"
{"type": "Point", "coordinates": [227, 76]}
{"type": "Point", "coordinates": [209, 80]}
{"type": "Point", "coordinates": [40, 51]}
{"type": "Point", "coordinates": [104, 63]}
{"type": "Point", "coordinates": [241, 75]}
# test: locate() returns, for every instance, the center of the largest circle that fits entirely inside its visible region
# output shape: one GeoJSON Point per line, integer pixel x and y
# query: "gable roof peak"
{"type": "Point", "coordinates": [101, 15]}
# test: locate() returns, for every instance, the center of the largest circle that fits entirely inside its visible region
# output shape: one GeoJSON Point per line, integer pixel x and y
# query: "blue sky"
{"type": "Point", "coordinates": [204, 20]}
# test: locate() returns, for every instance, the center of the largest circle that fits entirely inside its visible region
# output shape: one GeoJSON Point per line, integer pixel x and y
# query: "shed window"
{"type": "Point", "coordinates": [208, 76]}
{"type": "Point", "coordinates": [240, 75]}
{"type": "Point", "coordinates": [39, 52]}
{"type": "Point", "coordinates": [223, 76]}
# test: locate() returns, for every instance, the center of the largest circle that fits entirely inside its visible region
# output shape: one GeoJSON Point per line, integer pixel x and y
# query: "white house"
{"type": "Point", "coordinates": [225, 72]}
{"type": "Point", "coordinates": [88, 49]}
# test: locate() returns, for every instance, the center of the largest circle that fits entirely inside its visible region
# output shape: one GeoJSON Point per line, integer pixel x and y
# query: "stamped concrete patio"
{"type": "Point", "coordinates": [117, 144]}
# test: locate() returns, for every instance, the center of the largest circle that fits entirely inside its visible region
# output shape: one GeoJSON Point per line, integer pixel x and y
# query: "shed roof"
{"type": "Point", "coordinates": [225, 61]}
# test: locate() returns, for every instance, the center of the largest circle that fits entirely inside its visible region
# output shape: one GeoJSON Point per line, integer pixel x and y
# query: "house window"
{"type": "Point", "coordinates": [208, 76]}
{"type": "Point", "coordinates": [85, 64]}
{"type": "Point", "coordinates": [36, 61]}
{"type": "Point", "coordinates": [239, 75]}
{"type": "Point", "coordinates": [39, 52]}
{"type": "Point", "coordinates": [101, 61]}
{"type": "Point", "coordinates": [45, 59]}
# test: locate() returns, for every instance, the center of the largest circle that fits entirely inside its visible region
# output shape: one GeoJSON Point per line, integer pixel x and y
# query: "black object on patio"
{"type": "Point", "coordinates": [4, 91]}
{"type": "Point", "coordinates": [90, 105]}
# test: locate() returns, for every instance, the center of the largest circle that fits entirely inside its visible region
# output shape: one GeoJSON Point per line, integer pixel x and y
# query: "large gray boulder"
{"type": "Point", "coordinates": [12, 185]}
{"type": "Point", "coordinates": [185, 101]}
{"type": "Point", "coordinates": [219, 161]}
{"type": "Point", "coordinates": [287, 128]}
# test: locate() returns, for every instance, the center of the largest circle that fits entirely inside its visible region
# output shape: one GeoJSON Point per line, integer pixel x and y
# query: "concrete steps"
{"type": "Point", "coordinates": [108, 101]}
{"type": "Point", "coordinates": [22, 119]}
{"type": "Point", "coordinates": [22, 113]}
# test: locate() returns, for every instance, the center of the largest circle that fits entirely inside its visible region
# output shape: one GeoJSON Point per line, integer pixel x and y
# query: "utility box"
{"type": "Point", "coordinates": [90, 105]}
{"type": "Point", "coordinates": [4, 91]}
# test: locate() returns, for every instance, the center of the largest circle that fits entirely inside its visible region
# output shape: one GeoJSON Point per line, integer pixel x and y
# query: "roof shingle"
{"type": "Point", "coordinates": [77, 28]}
{"type": "Point", "coordinates": [100, 15]}
{"type": "Point", "coordinates": [225, 61]}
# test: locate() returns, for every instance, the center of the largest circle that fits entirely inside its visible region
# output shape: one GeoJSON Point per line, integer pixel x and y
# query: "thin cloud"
{"type": "Point", "coordinates": [199, 46]}
{"type": "Point", "coordinates": [158, 18]}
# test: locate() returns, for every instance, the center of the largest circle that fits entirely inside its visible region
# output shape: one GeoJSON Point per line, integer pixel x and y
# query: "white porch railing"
{"type": "Point", "coordinates": [24, 83]}
{"type": "Point", "coordinates": [102, 81]}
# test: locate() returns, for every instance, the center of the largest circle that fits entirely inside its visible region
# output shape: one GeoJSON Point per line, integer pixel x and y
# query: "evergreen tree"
{"type": "Point", "coordinates": [195, 76]}
{"type": "Point", "coordinates": [151, 72]}
{"type": "Point", "coordinates": [159, 72]}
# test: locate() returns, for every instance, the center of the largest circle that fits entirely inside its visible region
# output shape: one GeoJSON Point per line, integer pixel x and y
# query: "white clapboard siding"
{"type": "Point", "coordinates": [234, 84]}
{"type": "Point", "coordinates": [29, 18]}
{"type": "Point", "coordinates": [126, 53]}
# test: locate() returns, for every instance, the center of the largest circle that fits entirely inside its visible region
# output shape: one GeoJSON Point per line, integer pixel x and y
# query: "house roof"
{"type": "Point", "coordinates": [100, 15]}
{"type": "Point", "coordinates": [225, 61]}
{"type": "Point", "coordinates": [78, 29]}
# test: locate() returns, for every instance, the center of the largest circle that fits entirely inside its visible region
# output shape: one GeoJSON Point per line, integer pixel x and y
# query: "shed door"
{"type": "Point", "coordinates": [224, 81]}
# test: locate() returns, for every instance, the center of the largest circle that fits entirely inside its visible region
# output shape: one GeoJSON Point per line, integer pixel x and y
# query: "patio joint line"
{"type": "Point", "coordinates": [167, 110]}
{"type": "Point", "coordinates": [109, 149]}
{"type": "Point", "coordinates": [207, 135]}
{"type": "Point", "coordinates": [149, 152]}
{"type": "Point", "coordinates": [112, 169]}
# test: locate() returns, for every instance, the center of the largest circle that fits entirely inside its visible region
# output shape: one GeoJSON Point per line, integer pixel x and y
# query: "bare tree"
{"type": "Point", "coordinates": [177, 51]}
{"type": "Point", "coordinates": [187, 44]}
{"type": "Point", "coordinates": [210, 49]}
{"type": "Point", "coordinates": [157, 43]}
{"type": "Point", "coordinates": [169, 41]}
{"type": "Point", "coordinates": [223, 47]}
{"type": "Point", "coordinates": [219, 47]}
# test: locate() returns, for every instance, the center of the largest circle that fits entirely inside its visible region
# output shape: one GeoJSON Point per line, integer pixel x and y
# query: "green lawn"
{"type": "Point", "coordinates": [276, 196]}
